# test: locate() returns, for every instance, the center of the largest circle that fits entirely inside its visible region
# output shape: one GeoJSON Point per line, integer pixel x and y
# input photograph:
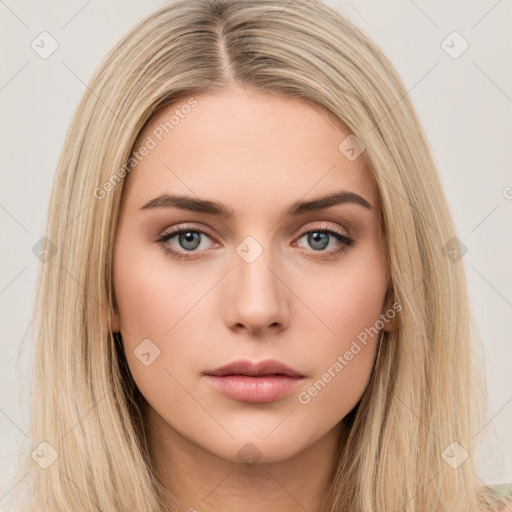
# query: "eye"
{"type": "Point", "coordinates": [320, 238]}
{"type": "Point", "coordinates": [189, 240]}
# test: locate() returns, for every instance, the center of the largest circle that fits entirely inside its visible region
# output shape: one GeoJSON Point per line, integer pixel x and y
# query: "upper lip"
{"type": "Point", "coordinates": [261, 368]}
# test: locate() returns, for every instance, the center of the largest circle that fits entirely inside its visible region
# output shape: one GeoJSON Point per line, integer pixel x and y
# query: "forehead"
{"type": "Point", "coordinates": [247, 146]}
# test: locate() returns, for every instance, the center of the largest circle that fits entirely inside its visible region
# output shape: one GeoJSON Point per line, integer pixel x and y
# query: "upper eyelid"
{"type": "Point", "coordinates": [320, 226]}
{"type": "Point", "coordinates": [178, 229]}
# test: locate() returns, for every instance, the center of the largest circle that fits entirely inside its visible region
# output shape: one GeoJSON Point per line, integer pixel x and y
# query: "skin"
{"type": "Point", "coordinates": [257, 153]}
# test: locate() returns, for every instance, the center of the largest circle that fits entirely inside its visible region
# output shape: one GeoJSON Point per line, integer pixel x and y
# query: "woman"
{"type": "Point", "coordinates": [227, 157]}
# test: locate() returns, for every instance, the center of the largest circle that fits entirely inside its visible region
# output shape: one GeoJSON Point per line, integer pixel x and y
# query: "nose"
{"type": "Point", "coordinates": [256, 295]}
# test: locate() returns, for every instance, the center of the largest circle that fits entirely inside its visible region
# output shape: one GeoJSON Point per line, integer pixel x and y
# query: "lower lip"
{"type": "Point", "coordinates": [254, 389]}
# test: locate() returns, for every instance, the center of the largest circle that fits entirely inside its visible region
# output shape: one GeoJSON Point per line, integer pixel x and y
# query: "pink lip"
{"type": "Point", "coordinates": [246, 367]}
{"type": "Point", "coordinates": [261, 382]}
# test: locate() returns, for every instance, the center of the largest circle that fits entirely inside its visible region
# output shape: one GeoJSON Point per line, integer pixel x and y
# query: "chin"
{"type": "Point", "coordinates": [257, 448]}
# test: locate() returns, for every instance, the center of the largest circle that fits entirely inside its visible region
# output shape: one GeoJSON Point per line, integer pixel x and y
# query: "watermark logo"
{"type": "Point", "coordinates": [44, 249]}
{"type": "Point", "coordinates": [454, 455]}
{"type": "Point", "coordinates": [146, 352]}
{"type": "Point", "coordinates": [249, 249]}
{"type": "Point", "coordinates": [44, 45]}
{"type": "Point", "coordinates": [455, 249]}
{"type": "Point", "coordinates": [249, 454]}
{"type": "Point", "coordinates": [44, 455]}
{"type": "Point", "coordinates": [351, 147]}
{"type": "Point", "coordinates": [454, 45]}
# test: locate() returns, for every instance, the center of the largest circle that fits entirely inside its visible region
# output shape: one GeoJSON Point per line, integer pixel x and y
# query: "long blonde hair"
{"type": "Point", "coordinates": [426, 391]}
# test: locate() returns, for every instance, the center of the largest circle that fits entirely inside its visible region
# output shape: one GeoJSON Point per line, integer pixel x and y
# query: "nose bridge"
{"type": "Point", "coordinates": [257, 295]}
{"type": "Point", "coordinates": [253, 263]}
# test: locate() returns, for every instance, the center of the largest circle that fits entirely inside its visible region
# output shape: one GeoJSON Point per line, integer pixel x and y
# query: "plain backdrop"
{"type": "Point", "coordinates": [464, 102]}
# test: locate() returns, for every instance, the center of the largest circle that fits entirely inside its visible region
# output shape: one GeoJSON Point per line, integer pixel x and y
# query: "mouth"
{"type": "Point", "coordinates": [249, 382]}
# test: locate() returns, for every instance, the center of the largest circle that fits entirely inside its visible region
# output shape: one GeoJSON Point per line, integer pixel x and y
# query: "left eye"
{"type": "Point", "coordinates": [320, 239]}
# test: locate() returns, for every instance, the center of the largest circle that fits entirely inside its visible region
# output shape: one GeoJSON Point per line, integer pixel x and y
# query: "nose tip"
{"type": "Point", "coordinates": [257, 301]}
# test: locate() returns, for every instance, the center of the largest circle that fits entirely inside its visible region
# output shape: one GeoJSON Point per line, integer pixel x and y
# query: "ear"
{"type": "Point", "coordinates": [390, 311]}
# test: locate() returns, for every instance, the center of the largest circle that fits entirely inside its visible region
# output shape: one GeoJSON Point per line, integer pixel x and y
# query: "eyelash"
{"type": "Point", "coordinates": [163, 239]}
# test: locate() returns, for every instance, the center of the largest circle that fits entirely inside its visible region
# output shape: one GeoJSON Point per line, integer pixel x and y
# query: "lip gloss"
{"type": "Point", "coordinates": [261, 389]}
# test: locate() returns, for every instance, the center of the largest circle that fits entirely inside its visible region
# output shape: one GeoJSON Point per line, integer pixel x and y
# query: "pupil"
{"type": "Point", "coordinates": [318, 240]}
{"type": "Point", "coordinates": [188, 240]}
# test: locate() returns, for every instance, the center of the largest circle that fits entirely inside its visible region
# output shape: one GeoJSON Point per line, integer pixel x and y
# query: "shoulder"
{"type": "Point", "coordinates": [503, 495]}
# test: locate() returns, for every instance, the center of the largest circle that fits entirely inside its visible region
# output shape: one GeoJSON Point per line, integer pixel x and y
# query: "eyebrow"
{"type": "Point", "coordinates": [220, 210]}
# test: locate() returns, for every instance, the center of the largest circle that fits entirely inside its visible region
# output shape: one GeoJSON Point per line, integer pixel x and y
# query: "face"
{"type": "Point", "coordinates": [271, 279]}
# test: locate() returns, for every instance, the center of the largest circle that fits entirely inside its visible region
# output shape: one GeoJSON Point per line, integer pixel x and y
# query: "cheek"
{"type": "Point", "coordinates": [141, 300]}
{"type": "Point", "coordinates": [150, 299]}
{"type": "Point", "coordinates": [358, 300]}
{"type": "Point", "coordinates": [159, 309]}
{"type": "Point", "coordinates": [352, 298]}
{"type": "Point", "coordinates": [350, 309]}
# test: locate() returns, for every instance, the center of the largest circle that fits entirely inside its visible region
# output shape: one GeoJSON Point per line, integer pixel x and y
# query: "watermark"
{"type": "Point", "coordinates": [149, 143]}
{"type": "Point", "coordinates": [249, 454]}
{"type": "Point", "coordinates": [351, 147]}
{"type": "Point", "coordinates": [454, 249]}
{"type": "Point", "coordinates": [44, 454]}
{"type": "Point", "coordinates": [454, 455]}
{"type": "Point", "coordinates": [249, 249]}
{"type": "Point", "coordinates": [146, 352]}
{"type": "Point", "coordinates": [44, 45]}
{"type": "Point", "coordinates": [454, 45]}
{"type": "Point", "coordinates": [304, 397]}
{"type": "Point", "coordinates": [44, 249]}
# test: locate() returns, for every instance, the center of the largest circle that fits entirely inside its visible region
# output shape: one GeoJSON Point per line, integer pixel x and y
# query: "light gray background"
{"type": "Point", "coordinates": [465, 105]}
